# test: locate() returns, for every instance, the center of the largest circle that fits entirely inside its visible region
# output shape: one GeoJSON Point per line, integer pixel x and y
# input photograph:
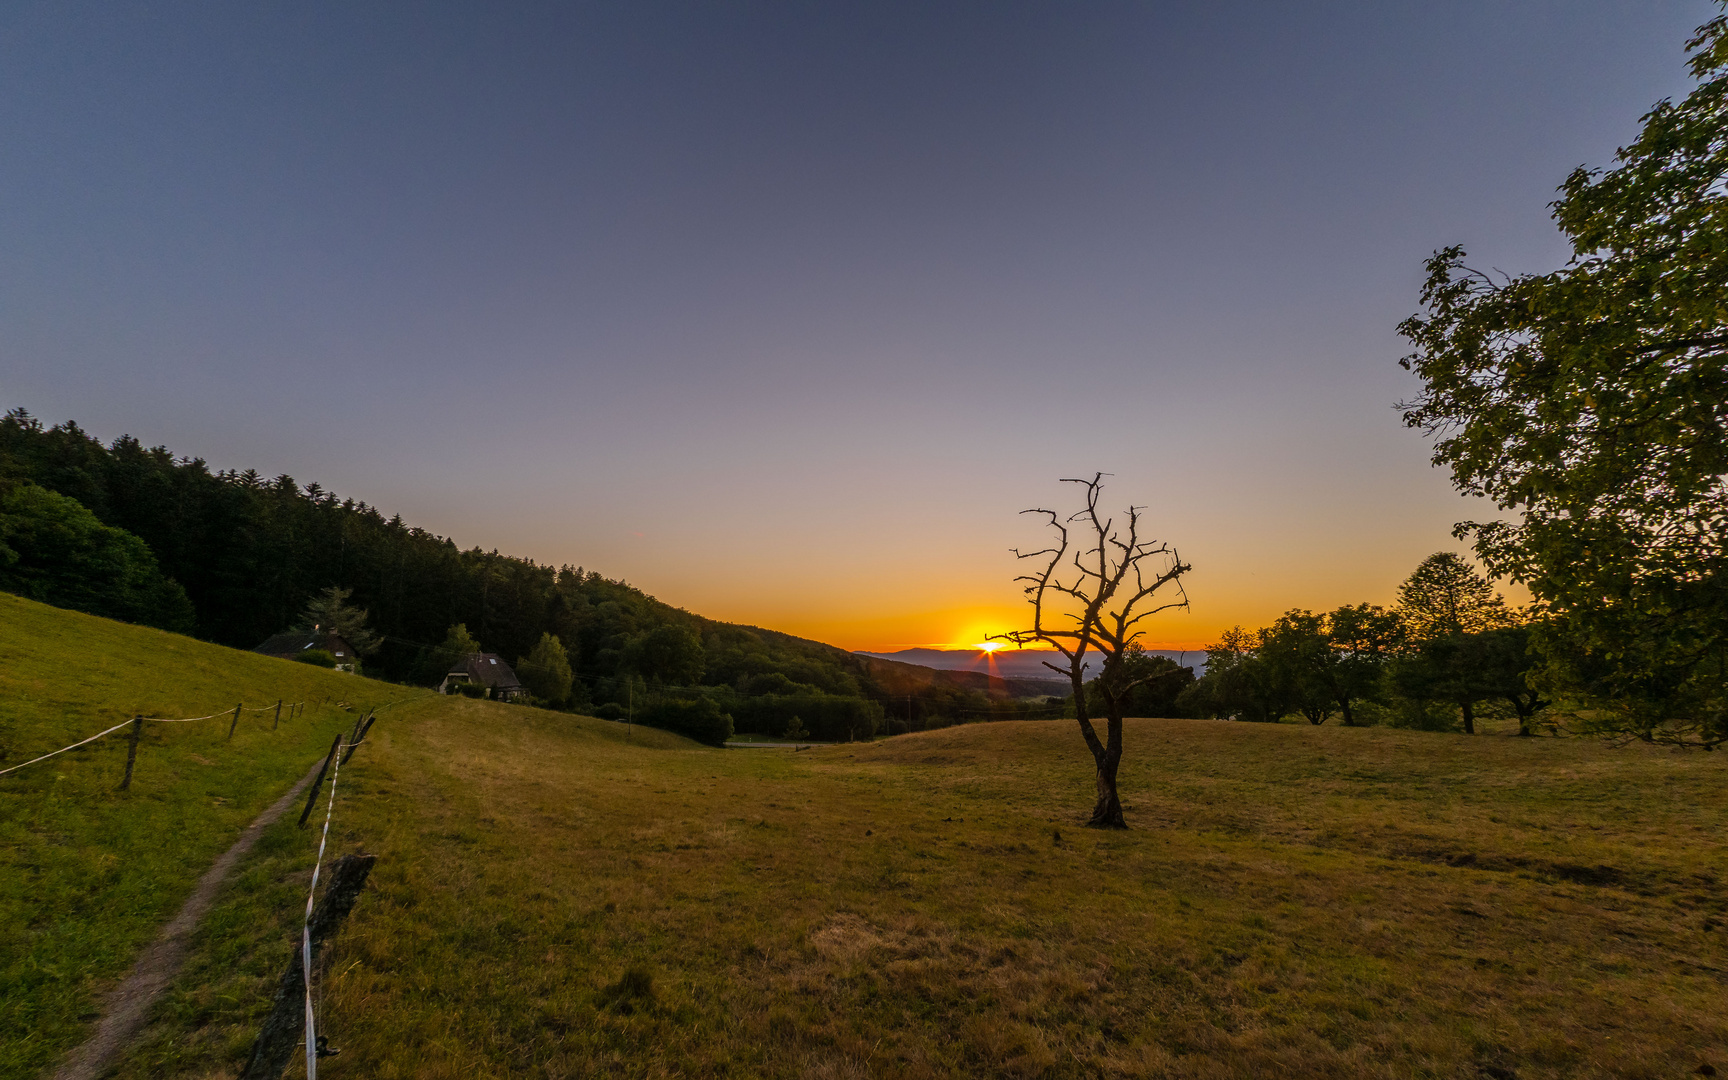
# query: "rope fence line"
{"type": "Point", "coordinates": [189, 719]}
{"type": "Point", "coordinates": [74, 746]}
{"type": "Point", "coordinates": [133, 721]}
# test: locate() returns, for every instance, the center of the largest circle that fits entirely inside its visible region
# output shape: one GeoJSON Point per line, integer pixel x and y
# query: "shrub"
{"type": "Point", "coordinates": [471, 689]}
{"type": "Point", "coordinates": [610, 711]}
{"type": "Point", "coordinates": [700, 719]}
{"type": "Point", "coordinates": [316, 657]}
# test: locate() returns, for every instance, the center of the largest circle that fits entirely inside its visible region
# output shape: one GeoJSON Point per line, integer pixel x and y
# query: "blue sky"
{"type": "Point", "coordinates": [782, 311]}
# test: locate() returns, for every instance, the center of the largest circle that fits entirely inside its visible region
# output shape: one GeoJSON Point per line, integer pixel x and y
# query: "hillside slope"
{"type": "Point", "coordinates": [561, 896]}
{"type": "Point", "coordinates": [88, 873]}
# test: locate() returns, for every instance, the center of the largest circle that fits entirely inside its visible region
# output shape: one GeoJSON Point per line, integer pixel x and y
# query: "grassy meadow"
{"type": "Point", "coordinates": [559, 896]}
{"type": "Point", "coordinates": [88, 874]}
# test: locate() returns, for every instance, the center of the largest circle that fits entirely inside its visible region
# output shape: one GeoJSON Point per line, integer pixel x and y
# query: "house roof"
{"type": "Point", "coordinates": [487, 668]}
{"type": "Point", "coordinates": [298, 641]}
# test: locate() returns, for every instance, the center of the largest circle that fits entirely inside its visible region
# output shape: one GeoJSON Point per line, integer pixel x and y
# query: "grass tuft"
{"type": "Point", "coordinates": [634, 990]}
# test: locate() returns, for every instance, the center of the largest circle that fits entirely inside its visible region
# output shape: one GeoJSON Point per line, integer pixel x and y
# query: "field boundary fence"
{"type": "Point", "coordinates": [293, 1019]}
{"type": "Point", "coordinates": [137, 721]}
{"type": "Point", "coordinates": [346, 877]}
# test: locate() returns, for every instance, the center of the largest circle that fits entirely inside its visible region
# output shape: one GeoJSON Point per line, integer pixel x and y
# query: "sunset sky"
{"type": "Point", "coordinates": [781, 312]}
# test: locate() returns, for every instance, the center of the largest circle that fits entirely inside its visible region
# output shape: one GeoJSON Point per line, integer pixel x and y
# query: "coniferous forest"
{"type": "Point", "coordinates": [234, 557]}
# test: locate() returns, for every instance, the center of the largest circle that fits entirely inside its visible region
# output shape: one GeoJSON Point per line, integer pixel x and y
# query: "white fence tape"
{"type": "Point", "coordinates": [306, 927]}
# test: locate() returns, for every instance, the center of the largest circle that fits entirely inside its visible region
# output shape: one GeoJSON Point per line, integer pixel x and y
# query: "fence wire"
{"type": "Point", "coordinates": [126, 722]}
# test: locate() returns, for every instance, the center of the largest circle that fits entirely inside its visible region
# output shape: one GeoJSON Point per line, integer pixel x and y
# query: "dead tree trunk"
{"type": "Point", "coordinates": [1107, 757]}
{"type": "Point", "coordinates": [283, 1028]}
{"type": "Point", "coordinates": [1088, 600]}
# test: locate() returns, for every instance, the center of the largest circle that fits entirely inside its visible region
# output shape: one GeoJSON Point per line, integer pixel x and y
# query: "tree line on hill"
{"type": "Point", "coordinates": [1449, 650]}
{"type": "Point", "coordinates": [136, 533]}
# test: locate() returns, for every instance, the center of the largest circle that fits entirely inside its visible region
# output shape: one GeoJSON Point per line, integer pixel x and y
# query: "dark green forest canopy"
{"type": "Point", "coordinates": [250, 552]}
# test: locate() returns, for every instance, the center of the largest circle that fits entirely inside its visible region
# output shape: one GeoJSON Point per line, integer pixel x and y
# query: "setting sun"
{"type": "Point", "coordinates": [989, 646]}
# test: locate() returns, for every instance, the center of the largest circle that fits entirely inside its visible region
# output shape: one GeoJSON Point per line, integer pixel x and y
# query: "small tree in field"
{"type": "Point", "coordinates": [546, 671]}
{"type": "Point", "coordinates": [1088, 597]}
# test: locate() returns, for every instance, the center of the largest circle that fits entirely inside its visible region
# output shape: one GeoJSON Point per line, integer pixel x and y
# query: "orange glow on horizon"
{"type": "Point", "coordinates": [968, 627]}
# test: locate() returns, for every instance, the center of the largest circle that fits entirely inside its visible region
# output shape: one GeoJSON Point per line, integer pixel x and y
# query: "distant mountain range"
{"type": "Point", "coordinates": [1013, 663]}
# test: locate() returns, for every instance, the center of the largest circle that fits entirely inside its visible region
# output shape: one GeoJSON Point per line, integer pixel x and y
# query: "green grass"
{"type": "Point", "coordinates": [1292, 900]}
{"type": "Point", "coordinates": [88, 873]}
{"type": "Point", "coordinates": [567, 897]}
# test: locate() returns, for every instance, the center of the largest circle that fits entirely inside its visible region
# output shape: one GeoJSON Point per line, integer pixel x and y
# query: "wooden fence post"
{"type": "Point", "coordinates": [236, 722]}
{"type": "Point", "coordinates": [284, 1028]}
{"type": "Point", "coordinates": [312, 796]}
{"type": "Point", "coordinates": [132, 749]}
{"type": "Point", "coordinates": [360, 727]}
{"type": "Point", "coordinates": [278, 720]}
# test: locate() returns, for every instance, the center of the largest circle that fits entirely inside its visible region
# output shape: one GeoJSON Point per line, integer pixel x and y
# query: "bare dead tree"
{"type": "Point", "coordinates": [1096, 614]}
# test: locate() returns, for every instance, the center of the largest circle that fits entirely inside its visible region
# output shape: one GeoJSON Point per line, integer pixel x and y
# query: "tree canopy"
{"type": "Point", "coordinates": [54, 550]}
{"type": "Point", "coordinates": [1593, 401]}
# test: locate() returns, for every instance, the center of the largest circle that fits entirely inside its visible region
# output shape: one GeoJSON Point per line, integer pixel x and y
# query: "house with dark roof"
{"type": "Point", "coordinates": [483, 669]}
{"type": "Point", "coordinates": [292, 644]}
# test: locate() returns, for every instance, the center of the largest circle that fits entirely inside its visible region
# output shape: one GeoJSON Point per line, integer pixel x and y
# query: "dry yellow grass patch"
{"type": "Point", "coordinates": [1296, 901]}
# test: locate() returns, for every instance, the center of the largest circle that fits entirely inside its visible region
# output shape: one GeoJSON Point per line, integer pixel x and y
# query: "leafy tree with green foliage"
{"type": "Point", "coordinates": [55, 550]}
{"type": "Point", "coordinates": [1448, 668]}
{"type": "Point", "coordinates": [1363, 639]}
{"type": "Point", "coordinates": [1292, 659]}
{"type": "Point", "coordinates": [1315, 663]}
{"type": "Point", "coordinates": [546, 672]}
{"type": "Point", "coordinates": [457, 643]}
{"type": "Point", "coordinates": [1593, 401]}
{"type": "Point", "coordinates": [331, 611]}
{"type": "Point", "coordinates": [1236, 686]}
{"type": "Point", "coordinates": [1157, 684]}
{"type": "Point", "coordinates": [1505, 658]}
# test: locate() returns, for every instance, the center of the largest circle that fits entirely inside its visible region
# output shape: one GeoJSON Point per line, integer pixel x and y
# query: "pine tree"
{"type": "Point", "coordinates": [1445, 596]}
{"type": "Point", "coordinates": [330, 611]}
